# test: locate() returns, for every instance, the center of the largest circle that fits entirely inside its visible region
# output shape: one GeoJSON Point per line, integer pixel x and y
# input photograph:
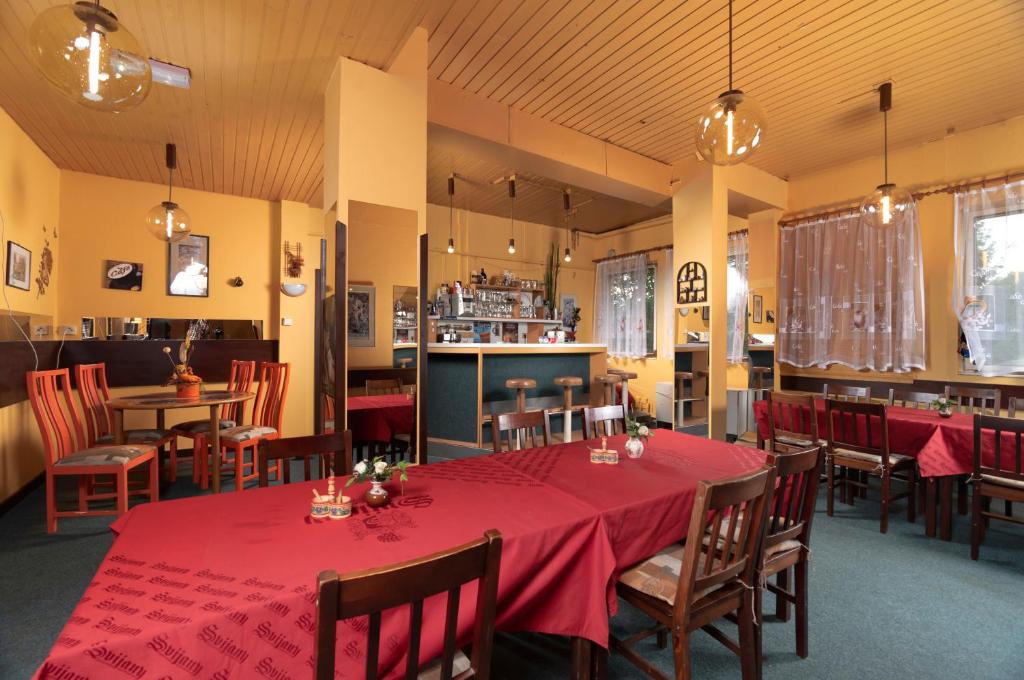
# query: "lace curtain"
{"type": "Point", "coordinates": [620, 317]}
{"type": "Point", "coordinates": [988, 296]}
{"type": "Point", "coordinates": [851, 294]}
{"type": "Point", "coordinates": [736, 289]}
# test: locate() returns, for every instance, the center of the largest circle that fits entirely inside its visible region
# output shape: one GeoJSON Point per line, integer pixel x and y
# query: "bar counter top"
{"type": "Point", "coordinates": [516, 348]}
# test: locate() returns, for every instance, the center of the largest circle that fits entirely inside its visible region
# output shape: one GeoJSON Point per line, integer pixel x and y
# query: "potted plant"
{"type": "Point", "coordinates": [638, 434]}
{"type": "Point", "coordinates": [944, 406]}
{"type": "Point", "coordinates": [188, 384]}
{"type": "Point", "coordinates": [377, 471]}
{"type": "Point", "coordinates": [554, 266]}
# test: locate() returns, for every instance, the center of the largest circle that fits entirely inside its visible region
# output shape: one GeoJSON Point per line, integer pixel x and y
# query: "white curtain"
{"type": "Point", "coordinates": [621, 318]}
{"type": "Point", "coordinates": [988, 296]}
{"type": "Point", "coordinates": [736, 289]}
{"type": "Point", "coordinates": [851, 294]}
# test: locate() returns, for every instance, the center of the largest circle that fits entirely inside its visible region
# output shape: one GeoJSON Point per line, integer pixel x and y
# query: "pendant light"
{"type": "Point", "coordinates": [888, 204]}
{"type": "Point", "coordinates": [567, 204]}
{"type": "Point", "coordinates": [167, 221]}
{"type": "Point", "coordinates": [512, 195]}
{"type": "Point", "coordinates": [451, 213]}
{"type": "Point", "coordinates": [90, 57]}
{"type": "Point", "coordinates": [732, 128]}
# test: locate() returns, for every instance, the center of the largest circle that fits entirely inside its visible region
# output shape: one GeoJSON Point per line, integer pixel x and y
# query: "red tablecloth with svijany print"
{"type": "Point", "coordinates": [379, 418]}
{"type": "Point", "coordinates": [224, 586]}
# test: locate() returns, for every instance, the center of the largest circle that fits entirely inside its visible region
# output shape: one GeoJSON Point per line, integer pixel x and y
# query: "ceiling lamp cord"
{"type": "Point", "coordinates": [512, 195]}
{"type": "Point", "coordinates": [171, 156]}
{"type": "Point", "coordinates": [730, 44]}
{"type": "Point", "coordinates": [887, 205]}
{"type": "Point", "coordinates": [567, 204]}
{"type": "Point", "coordinates": [451, 212]}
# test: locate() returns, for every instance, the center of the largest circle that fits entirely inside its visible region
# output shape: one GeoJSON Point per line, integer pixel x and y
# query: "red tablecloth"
{"type": "Point", "coordinates": [224, 586]}
{"type": "Point", "coordinates": [942, 446]}
{"type": "Point", "coordinates": [379, 418]}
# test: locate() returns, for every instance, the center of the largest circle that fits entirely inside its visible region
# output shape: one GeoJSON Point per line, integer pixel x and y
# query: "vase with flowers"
{"type": "Point", "coordinates": [188, 384]}
{"type": "Point", "coordinates": [944, 406]}
{"type": "Point", "coordinates": [637, 434]}
{"type": "Point", "coordinates": [377, 471]}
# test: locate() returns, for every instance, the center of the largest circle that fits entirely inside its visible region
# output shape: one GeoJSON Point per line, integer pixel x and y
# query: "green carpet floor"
{"type": "Point", "coordinates": [881, 606]}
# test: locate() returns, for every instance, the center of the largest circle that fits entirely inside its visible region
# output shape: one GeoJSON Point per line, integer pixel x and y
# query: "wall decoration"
{"type": "Point", "coordinates": [692, 284]}
{"type": "Point", "coordinates": [361, 316]}
{"type": "Point", "coordinates": [120, 275]}
{"type": "Point", "coordinates": [45, 264]}
{"type": "Point", "coordinates": [705, 313]}
{"type": "Point", "coordinates": [567, 306]}
{"type": "Point", "coordinates": [188, 267]}
{"type": "Point", "coordinates": [19, 264]}
{"type": "Point", "coordinates": [293, 259]}
{"type": "Point", "coordinates": [758, 306]}
{"type": "Point", "coordinates": [769, 316]}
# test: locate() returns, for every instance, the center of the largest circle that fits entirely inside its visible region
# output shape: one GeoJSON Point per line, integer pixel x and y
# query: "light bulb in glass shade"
{"type": "Point", "coordinates": [568, 255]}
{"type": "Point", "coordinates": [511, 246]}
{"type": "Point", "coordinates": [886, 206]}
{"type": "Point", "coordinates": [90, 57]}
{"type": "Point", "coordinates": [451, 246]}
{"type": "Point", "coordinates": [168, 222]}
{"type": "Point", "coordinates": [731, 129]}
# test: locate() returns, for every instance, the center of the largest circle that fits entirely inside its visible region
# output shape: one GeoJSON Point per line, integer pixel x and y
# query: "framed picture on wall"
{"type": "Point", "coordinates": [758, 304]}
{"type": "Point", "coordinates": [705, 313]}
{"type": "Point", "coordinates": [188, 267]}
{"type": "Point", "coordinates": [567, 305]}
{"type": "Point", "coordinates": [19, 266]}
{"type": "Point", "coordinates": [121, 275]}
{"type": "Point", "coordinates": [361, 317]}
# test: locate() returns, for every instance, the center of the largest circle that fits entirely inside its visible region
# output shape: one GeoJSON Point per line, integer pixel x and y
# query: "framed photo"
{"type": "Point", "coordinates": [19, 266]}
{"type": "Point", "coordinates": [770, 316]}
{"type": "Point", "coordinates": [567, 305]}
{"type": "Point", "coordinates": [705, 313]}
{"type": "Point", "coordinates": [188, 267]}
{"type": "Point", "coordinates": [361, 316]}
{"type": "Point", "coordinates": [121, 275]}
{"type": "Point", "coordinates": [758, 304]}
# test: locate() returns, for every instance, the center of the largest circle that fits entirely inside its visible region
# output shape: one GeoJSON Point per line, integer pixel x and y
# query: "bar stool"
{"type": "Point", "coordinates": [685, 394]}
{"type": "Point", "coordinates": [567, 382]}
{"type": "Point", "coordinates": [404, 362]}
{"type": "Point", "coordinates": [626, 377]}
{"type": "Point", "coordinates": [608, 381]}
{"type": "Point", "coordinates": [757, 375]}
{"type": "Point", "coordinates": [520, 385]}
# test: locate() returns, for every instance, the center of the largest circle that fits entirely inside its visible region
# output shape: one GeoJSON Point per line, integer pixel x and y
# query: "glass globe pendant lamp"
{"type": "Point", "coordinates": [732, 128]}
{"type": "Point", "coordinates": [888, 204]}
{"type": "Point", "coordinates": [168, 221]}
{"type": "Point", "coordinates": [90, 57]}
{"type": "Point", "coordinates": [567, 206]}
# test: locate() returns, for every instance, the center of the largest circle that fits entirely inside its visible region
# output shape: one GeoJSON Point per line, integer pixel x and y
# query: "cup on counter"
{"type": "Point", "coordinates": [342, 508]}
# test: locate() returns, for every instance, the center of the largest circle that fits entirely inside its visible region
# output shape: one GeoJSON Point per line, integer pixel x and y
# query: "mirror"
{"type": "Point", "coordinates": [157, 328]}
{"type": "Point", "coordinates": [689, 407]}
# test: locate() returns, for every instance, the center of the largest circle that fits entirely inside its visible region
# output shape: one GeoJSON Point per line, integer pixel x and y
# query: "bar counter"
{"type": "Point", "coordinates": [466, 383]}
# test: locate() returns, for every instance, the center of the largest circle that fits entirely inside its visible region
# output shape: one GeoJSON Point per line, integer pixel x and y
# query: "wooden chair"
{"type": "Point", "coordinates": [787, 542]}
{"type": "Point", "coordinates": [910, 399]}
{"type": "Point", "coordinates": [599, 421]}
{"type": "Point", "coordinates": [522, 430]}
{"type": "Point", "coordinates": [324, 446]}
{"type": "Point", "coordinates": [1004, 478]}
{"type": "Point", "coordinates": [267, 414]}
{"type": "Point", "coordinates": [49, 393]}
{"type": "Point", "coordinates": [372, 591]}
{"type": "Point", "coordinates": [858, 440]}
{"type": "Point", "coordinates": [974, 400]}
{"type": "Point", "coordinates": [239, 380]}
{"type": "Point", "coordinates": [792, 421]}
{"type": "Point", "coordinates": [1012, 404]}
{"type": "Point", "coordinates": [94, 394]}
{"type": "Point", "coordinates": [847, 393]}
{"type": "Point", "coordinates": [688, 587]}
{"type": "Point", "coordinates": [376, 388]}
{"type": "Point", "coordinates": [751, 437]}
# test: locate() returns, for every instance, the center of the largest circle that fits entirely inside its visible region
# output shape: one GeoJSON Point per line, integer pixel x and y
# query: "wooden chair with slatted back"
{"type": "Point", "coordinates": [998, 473]}
{"type": "Point", "coordinates": [600, 421]}
{"type": "Point", "coordinates": [858, 440]}
{"type": "Point", "coordinates": [525, 430]}
{"type": "Point", "coordinates": [324, 449]}
{"type": "Point", "coordinates": [372, 591]}
{"type": "Point", "coordinates": [847, 393]}
{"type": "Point", "coordinates": [375, 388]}
{"type": "Point", "coordinates": [688, 587]}
{"type": "Point", "coordinates": [792, 421]}
{"type": "Point", "coordinates": [987, 402]}
{"type": "Point", "coordinates": [1013, 404]}
{"type": "Point", "coordinates": [787, 542]}
{"type": "Point", "coordinates": [910, 399]}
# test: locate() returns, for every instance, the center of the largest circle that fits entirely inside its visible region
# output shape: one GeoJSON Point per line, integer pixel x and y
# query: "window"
{"type": "Point", "coordinates": [652, 285]}
{"type": "Point", "coordinates": [625, 306]}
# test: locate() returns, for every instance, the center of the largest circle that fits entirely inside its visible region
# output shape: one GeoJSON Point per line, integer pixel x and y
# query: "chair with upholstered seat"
{"type": "Point", "coordinates": [910, 399]}
{"type": "Point", "coordinates": [376, 388]}
{"type": "Point", "coordinates": [985, 401]}
{"type": "Point", "coordinates": [599, 421]}
{"type": "Point", "coordinates": [858, 440]}
{"type": "Point", "coordinates": [792, 421]}
{"type": "Point", "coordinates": [329, 451]}
{"type": "Point", "coordinates": [525, 430]}
{"type": "Point", "coordinates": [847, 393]}
{"type": "Point", "coordinates": [370, 592]}
{"type": "Point", "coordinates": [711, 576]}
{"type": "Point", "coordinates": [66, 452]}
{"type": "Point", "coordinates": [999, 475]}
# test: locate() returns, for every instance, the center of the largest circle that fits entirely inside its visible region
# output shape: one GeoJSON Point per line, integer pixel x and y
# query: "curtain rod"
{"type": "Point", "coordinates": [635, 252]}
{"type": "Point", "coordinates": [951, 188]}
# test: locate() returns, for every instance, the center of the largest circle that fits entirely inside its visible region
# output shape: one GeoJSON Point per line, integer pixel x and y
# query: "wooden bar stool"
{"type": "Point", "coordinates": [626, 377]}
{"type": "Point", "coordinates": [684, 392]}
{"type": "Point", "coordinates": [520, 385]}
{"type": "Point", "coordinates": [404, 362]}
{"type": "Point", "coordinates": [608, 381]}
{"type": "Point", "coordinates": [567, 382]}
{"type": "Point", "coordinates": [757, 376]}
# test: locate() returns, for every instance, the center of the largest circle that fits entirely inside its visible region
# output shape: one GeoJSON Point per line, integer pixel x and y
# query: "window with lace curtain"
{"type": "Point", "coordinates": [625, 306]}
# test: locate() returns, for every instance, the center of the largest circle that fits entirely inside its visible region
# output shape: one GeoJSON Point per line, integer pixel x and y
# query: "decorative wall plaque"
{"type": "Point", "coordinates": [692, 284]}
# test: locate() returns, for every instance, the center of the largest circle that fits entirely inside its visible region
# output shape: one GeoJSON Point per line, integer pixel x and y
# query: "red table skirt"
{"type": "Point", "coordinates": [380, 418]}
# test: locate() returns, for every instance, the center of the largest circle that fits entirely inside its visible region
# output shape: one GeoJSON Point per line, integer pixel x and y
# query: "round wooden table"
{"type": "Point", "coordinates": [162, 401]}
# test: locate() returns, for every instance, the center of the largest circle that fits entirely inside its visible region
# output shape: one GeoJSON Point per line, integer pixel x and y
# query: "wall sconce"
{"type": "Point", "coordinates": [237, 282]}
{"type": "Point", "coordinates": [293, 289]}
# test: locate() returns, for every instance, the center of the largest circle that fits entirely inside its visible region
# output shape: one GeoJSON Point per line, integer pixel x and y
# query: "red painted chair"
{"type": "Point", "coordinates": [267, 413]}
{"type": "Point", "coordinates": [239, 380]}
{"type": "Point", "coordinates": [94, 394]}
{"type": "Point", "coordinates": [66, 455]}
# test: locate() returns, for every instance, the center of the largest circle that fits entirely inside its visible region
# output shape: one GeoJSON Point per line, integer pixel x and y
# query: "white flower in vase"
{"type": "Point", "coordinates": [643, 431]}
{"type": "Point", "coordinates": [380, 467]}
{"type": "Point", "coordinates": [360, 467]}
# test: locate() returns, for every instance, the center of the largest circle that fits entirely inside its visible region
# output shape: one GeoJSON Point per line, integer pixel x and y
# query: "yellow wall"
{"type": "Point", "coordinates": [986, 151]}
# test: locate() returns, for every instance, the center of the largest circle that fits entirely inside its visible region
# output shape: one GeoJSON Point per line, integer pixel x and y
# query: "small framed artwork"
{"type": "Point", "coordinates": [705, 313]}
{"type": "Point", "coordinates": [568, 309]}
{"type": "Point", "coordinates": [758, 305]}
{"type": "Point", "coordinates": [19, 266]}
{"type": "Point", "coordinates": [361, 317]}
{"type": "Point", "coordinates": [769, 316]}
{"type": "Point", "coordinates": [120, 275]}
{"type": "Point", "coordinates": [188, 267]}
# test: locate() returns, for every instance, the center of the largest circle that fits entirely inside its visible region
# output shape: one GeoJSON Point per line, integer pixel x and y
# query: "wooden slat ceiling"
{"type": "Point", "coordinates": [637, 73]}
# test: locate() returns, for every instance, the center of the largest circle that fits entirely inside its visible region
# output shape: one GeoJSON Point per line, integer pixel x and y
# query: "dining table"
{"type": "Point", "coordinates": [225, 586]}
{"type": "Point", "coordinates": [378, 418]}
{"type": "Point", "coordinates": [164, 401]}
